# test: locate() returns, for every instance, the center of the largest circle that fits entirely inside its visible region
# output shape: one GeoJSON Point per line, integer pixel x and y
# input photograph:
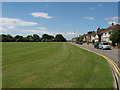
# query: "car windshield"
{"type": "Point", "coordinates": [105, 44]}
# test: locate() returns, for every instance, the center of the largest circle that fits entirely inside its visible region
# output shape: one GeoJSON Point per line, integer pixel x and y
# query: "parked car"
{"type": "Point", "coordinates": [78, 42]}
{"type": "Point", "coordinates": [104, 45]}
{"type": "Point", "coordinates": [81, 43]}
{"type": "Point", "coordinates": [96, 45]}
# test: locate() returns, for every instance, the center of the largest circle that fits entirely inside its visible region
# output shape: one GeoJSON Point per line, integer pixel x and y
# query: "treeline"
{"type": "Point", "coordinates": [32, 38]}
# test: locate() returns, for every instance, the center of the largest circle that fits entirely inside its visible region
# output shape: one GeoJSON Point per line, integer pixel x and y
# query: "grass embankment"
{"type": "Point", "coordinates": [53, 65]}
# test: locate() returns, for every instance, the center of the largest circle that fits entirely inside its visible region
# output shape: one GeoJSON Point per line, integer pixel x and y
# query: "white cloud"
{"type": "Point", "coordinates": [41, 14]}
{"type": "Point", "coordinates": [113, 22]}
{"type": "Point", "coordinates": [16, 22]}
{"type": "Point", "coordinates": [41, 32]}
{"type": "Point", "coordinates": [91, 8]}
{"type": "Point", "coordinates": [34, 31]}
{"type": "Point", "coordinates": [112, 18]}
{"type": "Point", "coordinates": [71, 33]}
{"type": "Point", "coordinates": [11, 23]}
{"type": "Point", "coordinates": [42, 28]}
{"type": "Point", "coordinates": [47, 5]}
{"type": "Point", "coordinates": [68, 25]}
{"type": "Point", "coordinates": [89, 18]}
{"type": "Point", "coordinates": [100, 5]}
{"type": "Point", "coordinates": [2, 29]}
{"type": "Point", "coordinates": [11, 27]}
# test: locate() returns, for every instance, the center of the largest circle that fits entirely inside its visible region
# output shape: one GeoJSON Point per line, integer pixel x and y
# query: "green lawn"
{"type": "Point", "coordinates": [53, 65]}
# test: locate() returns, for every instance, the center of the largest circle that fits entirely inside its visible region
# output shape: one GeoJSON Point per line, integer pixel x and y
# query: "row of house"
{"type": "Point", "coordinates": [101, 34]}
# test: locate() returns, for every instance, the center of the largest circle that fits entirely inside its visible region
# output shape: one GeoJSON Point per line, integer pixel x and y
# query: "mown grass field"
{"type": "Point", "coordinates": [53, 65]}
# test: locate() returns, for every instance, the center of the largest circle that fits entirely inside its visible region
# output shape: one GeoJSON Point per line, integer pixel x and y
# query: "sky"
{"type": "Point", "coordinates": [60, 0]}
{"type": "Point", "coordinates": [68, 18]}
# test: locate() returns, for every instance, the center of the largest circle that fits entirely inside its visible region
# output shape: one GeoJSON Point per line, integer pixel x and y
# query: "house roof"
{"type": "Point", "coordinates": [94, 33]}
{"type": "Point", "coordinates": [103, 30]}
{"type": "Point", "coordinates": [111, 28]}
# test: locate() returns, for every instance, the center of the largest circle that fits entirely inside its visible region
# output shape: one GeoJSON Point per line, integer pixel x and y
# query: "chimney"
{"type": "Point", "coordinates": [112, 23]}
{"type": "Point", "coordinates": [98, 28]}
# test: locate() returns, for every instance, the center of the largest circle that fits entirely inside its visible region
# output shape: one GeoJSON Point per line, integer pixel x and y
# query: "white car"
{"type": "Point", "coordinates": [104, 45]}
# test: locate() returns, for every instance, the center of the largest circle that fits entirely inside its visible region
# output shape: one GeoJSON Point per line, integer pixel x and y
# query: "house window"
{"type": "Point", "coordinates": [102, 34]}
{"type": "Point", "coordinates": [105, 34]}
{"type": "Point", "coordinates": [109, 32]}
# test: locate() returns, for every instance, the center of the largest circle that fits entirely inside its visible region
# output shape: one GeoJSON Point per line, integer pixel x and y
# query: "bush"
{"type": "Point", "coordinates": [115, 36]}
{"type": "Point", "coordinates": [96, 42]}
{"type": "Point", "coordinates": [119, 45]}
{"type": "Point", "coordinates": [84, 41]}
{"type": "Point", "coordinates": [104, 41]}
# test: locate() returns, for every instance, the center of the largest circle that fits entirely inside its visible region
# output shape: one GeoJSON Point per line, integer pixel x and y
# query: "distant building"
{"type": "Point", "coordinates": [100, 35]}
{"type": "Point", "coordinates": [104, 34]}
{"type": "Point", "coordinates": [86, 37]}
{"type": "Point", "coordinates": [74, 39]}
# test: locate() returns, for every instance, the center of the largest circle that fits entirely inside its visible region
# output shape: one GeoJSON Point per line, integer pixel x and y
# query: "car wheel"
{"type": "Point", "coordinates": [102, 48]}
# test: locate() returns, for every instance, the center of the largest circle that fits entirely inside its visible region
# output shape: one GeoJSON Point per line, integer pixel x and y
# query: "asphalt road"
{"type": "Point", "coordinates": [113, 54]}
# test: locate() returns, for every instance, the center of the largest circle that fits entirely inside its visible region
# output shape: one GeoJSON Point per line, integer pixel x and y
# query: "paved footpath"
{"type": "Point", "coordinates": [113, 54]}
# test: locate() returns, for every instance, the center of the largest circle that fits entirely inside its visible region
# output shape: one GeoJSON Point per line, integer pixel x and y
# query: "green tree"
{"type": "Point", "coordinates": [35, 38]}
{"type": "Point", "coordinates": [10, 38]}
{"type": "Point", "coordinates": [115, 36]}
{"type": "Point", "coordinates": [60, 38]}
{"type": "Point", "coordinates": [19, 38]}
{"type": "Point", "coordinates": [0, 38]}
{"type": "Point", "coordinates": [47, 38]}
{"type": "Point", "coordinates": [4, 38]}
{"type": "Point", "coordinates": [42, 40]}
{"type": "Point", "coordinates": [29, 38]}
{"type": "Point", "coordinates": [79, 39]}
{"type": "Point", "coordinates": [7, 38]}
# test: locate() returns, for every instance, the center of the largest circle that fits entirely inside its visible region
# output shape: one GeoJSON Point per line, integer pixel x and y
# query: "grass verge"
{"type": "Point", "coordinates": [53, 65]}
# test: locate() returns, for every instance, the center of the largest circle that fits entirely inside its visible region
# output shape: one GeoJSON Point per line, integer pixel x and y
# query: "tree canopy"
{"type": "Point", "coordinates": [32, 38]}
{"type": "Point", "coordinates": [47, 38]}
{"type": "Point", "coordinates": [60, 38]}
{"type": "Point", "coordinates": [115, 36]}
{"type": "Point", "coordinates": [90, 32]}
{"type": "Point", "coordinates": [79, 39]}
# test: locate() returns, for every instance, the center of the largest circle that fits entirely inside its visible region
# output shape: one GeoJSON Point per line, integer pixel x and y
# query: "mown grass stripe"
{"type": "Point", "coordinates": [53, 65]}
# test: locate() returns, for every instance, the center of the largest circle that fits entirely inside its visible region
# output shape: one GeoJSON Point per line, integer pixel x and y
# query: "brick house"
{"type": "Point", "coordinates": [104, 34]}
{"type": "Point", "coordinates": [86, 37]}
{"type": "Point", "coordinates": [101, 34]}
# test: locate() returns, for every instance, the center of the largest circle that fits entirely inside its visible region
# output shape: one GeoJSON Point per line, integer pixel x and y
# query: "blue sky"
{"type": "Point", "coordinates": [27, 18]}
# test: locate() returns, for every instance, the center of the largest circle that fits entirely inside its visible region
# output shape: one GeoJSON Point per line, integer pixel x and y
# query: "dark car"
{"type": "Point", "coordinates": [78, 42]}
{"type": "Point", "coordinates": [96, 45]}
{"type": "Point", "coordinates": [81, 43]}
